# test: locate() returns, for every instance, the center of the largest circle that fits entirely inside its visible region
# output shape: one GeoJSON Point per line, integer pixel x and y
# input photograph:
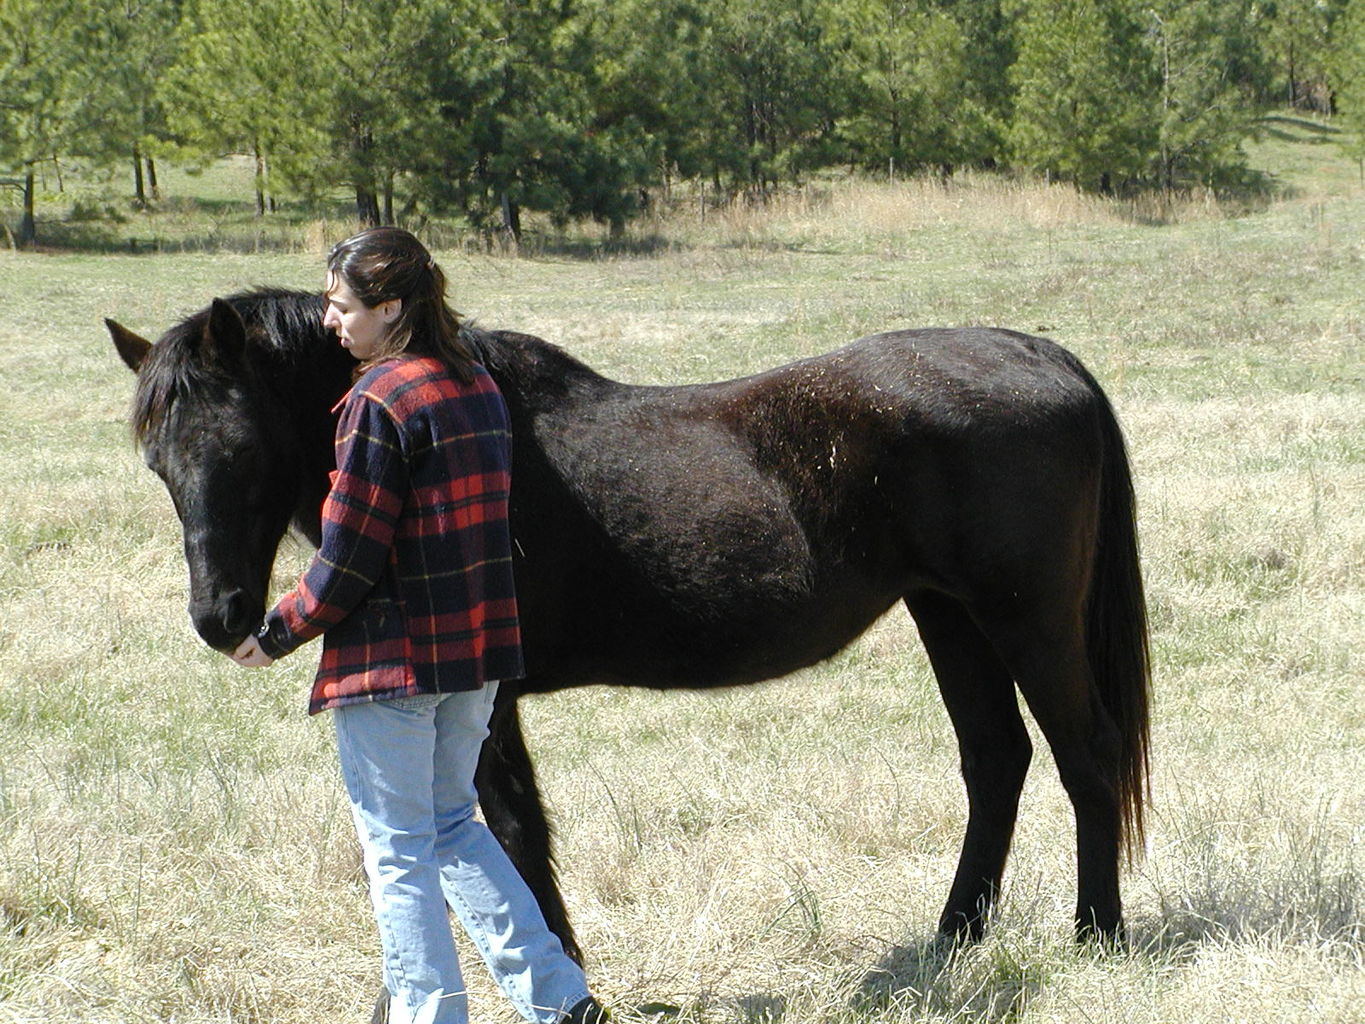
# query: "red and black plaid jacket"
{"type": "Point", "coordinates": [412, 585]}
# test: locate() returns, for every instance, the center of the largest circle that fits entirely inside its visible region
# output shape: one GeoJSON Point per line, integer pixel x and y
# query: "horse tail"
{"type": "Point", "coordinates": [1116, 628]}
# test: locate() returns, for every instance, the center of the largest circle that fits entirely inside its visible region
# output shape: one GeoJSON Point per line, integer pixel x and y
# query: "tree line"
{"type": "Point", "coordinates": [589, 108]}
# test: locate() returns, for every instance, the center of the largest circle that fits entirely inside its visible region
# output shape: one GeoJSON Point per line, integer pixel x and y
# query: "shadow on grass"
{"type": "Point", "coordinates": [760, 1008]}
{"type": "Point", "coordinates": [215, 225]}
{"type": "Point", "coordinates": [181, 225]}
{"type": "Point", "coordinates": [1307, 887]}
{"type": "Point", "coordinates": [1298, 129]}
{"type": "Point", "coordinates": [764, 1008]}
{"type": "Point", "coordinates": [989, 982]}
{"type": "Point", "coordinates": [106, 239]}
{"type": "Point", "coordinates": [583, 248]}
{"type": "Point", "coordinates": [996, 980]}
{"type": "Point", "coordinates": [274, 234]}
{"type": "Point", "coordinates": [1179, 933]}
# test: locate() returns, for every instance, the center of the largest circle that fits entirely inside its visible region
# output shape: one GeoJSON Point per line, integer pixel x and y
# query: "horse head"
{"type": "Point", "coordinates": [220, 436]}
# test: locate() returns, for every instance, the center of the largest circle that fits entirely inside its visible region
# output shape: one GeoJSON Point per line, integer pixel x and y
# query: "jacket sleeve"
{"type": "Point", "coordinates": [359, 517]}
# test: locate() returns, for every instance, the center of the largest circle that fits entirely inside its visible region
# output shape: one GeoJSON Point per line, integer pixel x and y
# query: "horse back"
{"type": "Point", "coordinates": [938, 457]}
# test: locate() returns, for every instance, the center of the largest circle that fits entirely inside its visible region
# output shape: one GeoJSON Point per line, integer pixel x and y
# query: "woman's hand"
{"type": "Point", "coordinates": [249, 654]}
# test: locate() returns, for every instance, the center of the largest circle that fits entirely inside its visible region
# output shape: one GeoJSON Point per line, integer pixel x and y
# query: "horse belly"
{"type": "Point", "coordinates": [755, 636]}
{"type": "Point", "coordinates": [697, 571]}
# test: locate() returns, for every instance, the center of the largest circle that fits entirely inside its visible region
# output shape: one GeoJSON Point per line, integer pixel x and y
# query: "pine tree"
{"type": "Point", "coordinates": [988, 33]}
{"type": "Point", "coordinates": [775, 75]}
{"type": "Point", "coordinates": [741, 91]}
{"type": "Point", "coordinates": [240, 84]}
{"type": "Point", "coordinates": [1199, 49]}
{"type": "Point", "coordinates": [650, 81]}
{"type": "Point", "coordinates": [520, 122]}
{"type": "Point", "coordinates": [911, 101]}
{"type": "Point", "coordinates": [144, 34]}
{"type": "Point", "coordinates": [1297, 38]}
{"type": "Point", "coordinates": [1347, 67]}
{"type": "Point", "coordinates": [1083, 109]}
{"type": "Point", "coordinates": [54, 63]}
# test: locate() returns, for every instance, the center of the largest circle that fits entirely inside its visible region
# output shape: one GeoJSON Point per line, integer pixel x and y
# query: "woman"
{"type": "Point", "coordinates": [412, 592]}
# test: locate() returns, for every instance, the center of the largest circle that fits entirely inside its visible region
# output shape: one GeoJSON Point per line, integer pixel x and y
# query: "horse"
{"type": "Point", "coordinates": [720, 534]}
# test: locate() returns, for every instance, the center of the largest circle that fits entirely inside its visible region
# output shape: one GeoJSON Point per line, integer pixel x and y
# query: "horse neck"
{"type": "Point", "coordinates": [319, 376]}
{"type": "Point", "coordinates": [302, 361]}
{"type": "Point", "coordinates": [308, 372]}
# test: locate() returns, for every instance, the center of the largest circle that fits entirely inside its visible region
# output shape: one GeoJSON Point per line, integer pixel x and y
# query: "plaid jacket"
{"type": "Point", "coordinates": [412, 585]}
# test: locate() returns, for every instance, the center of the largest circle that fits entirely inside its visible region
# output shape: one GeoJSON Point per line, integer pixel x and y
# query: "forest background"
{"type": "Point", "coordinates": [473, 112]}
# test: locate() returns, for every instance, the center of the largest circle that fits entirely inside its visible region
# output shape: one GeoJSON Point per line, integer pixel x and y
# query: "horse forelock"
{"type": "Point", "coordinates": [172, 369]}
{"type": "Point", "coordinates": [278, 323]}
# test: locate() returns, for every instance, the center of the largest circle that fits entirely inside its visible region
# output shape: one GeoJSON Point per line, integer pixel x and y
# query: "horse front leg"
{"type": "Point", "coordinates": [514, 812]}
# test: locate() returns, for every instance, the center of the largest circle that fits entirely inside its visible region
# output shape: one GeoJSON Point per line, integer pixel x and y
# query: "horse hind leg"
{"type": "Point", "coordinates": [994, 748]}
{"type": "Point", "coordinates": [1049, 662]}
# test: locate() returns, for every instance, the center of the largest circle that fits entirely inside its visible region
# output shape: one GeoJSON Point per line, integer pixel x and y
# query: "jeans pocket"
{"type": "Point", "coordinates": [417, 702]}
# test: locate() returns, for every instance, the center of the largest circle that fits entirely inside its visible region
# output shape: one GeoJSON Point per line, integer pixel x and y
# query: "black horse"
{"type": "Point", "coordinates": [717, 534]}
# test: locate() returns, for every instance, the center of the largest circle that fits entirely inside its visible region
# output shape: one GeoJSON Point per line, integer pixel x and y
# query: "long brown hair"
{"type": "Point", "coordinates": [384, 264]}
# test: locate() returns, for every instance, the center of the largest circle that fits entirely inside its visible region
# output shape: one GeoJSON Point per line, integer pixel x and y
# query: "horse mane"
{"type": "Point", "coordinates": [281, 324]}
{"type": "Point", "coordinates": [284, 328]}
{"type": "Point", "coordinates": [527, 368]}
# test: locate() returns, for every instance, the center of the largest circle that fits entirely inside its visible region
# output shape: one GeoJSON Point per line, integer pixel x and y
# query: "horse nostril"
{"type": "Point", "coordinates": [235, 613]}
{"type": "Point", "coordinates": [225, 619]}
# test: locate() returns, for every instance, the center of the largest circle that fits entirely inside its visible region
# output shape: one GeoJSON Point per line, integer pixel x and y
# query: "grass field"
{"type": "Point", "coordinates": [173, 841]}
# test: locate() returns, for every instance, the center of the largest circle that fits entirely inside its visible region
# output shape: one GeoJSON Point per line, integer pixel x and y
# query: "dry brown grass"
{"type": "Point", "coordinates": [838, 213]}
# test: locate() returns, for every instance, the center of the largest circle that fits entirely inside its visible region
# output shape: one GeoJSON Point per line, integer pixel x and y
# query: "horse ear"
{"type": "Point", "coordinates": [132, 347]}
{"type": "Point", "coordinates": [224, 339]}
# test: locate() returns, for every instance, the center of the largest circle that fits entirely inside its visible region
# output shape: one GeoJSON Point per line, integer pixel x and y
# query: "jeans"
{"type": "Point", "coordinates": [408, 765]}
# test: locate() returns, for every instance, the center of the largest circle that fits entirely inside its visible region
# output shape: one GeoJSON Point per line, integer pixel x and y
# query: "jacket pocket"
{"type": "Point", "coordinates": [376, 631]}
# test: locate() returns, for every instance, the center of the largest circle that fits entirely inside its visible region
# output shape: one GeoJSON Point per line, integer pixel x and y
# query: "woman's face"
{"type": "Point", "coordinates": [360, 328]}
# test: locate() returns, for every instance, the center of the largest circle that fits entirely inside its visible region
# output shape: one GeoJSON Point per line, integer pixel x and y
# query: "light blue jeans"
{"type": "Point", "coordinates": [409, 767]}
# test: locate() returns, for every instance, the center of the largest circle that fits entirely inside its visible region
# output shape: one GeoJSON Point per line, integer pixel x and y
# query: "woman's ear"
{"type": "Point", "coordinates": [390, 310]}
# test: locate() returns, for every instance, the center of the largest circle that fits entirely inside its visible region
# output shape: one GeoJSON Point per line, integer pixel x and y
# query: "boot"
{"type": "Point", "coordinates": [587, 1011]}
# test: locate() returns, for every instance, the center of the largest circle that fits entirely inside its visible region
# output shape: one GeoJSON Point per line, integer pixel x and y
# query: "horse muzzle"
{"type": "Point", "coordinates": [227, 619]}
